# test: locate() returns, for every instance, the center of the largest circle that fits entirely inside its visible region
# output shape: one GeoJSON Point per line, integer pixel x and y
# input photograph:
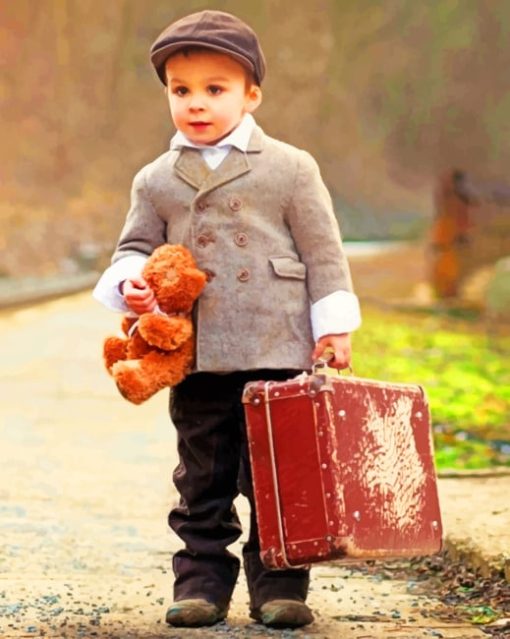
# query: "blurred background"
{"type": "Point", "coordinates": [387, 94]}
{"type": "Point", "coordinates": [406, 107]}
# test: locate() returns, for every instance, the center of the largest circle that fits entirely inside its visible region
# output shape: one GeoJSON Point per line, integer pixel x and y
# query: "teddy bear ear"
{"type": "Point", "coordinates": [192, 286]}
{"type": "Point", "coordinates": [197, 277]}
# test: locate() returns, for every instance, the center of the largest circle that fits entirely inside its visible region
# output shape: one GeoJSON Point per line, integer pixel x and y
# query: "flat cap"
{"type": "Point", "coordinates": [214, 30]}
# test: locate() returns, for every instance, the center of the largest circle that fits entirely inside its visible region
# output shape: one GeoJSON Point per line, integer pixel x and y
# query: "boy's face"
{"type": "Point", "coordinates": [208, 94]}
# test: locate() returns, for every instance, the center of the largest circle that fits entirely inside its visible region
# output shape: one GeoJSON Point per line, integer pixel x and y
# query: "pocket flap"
{"type": "Point", "coordinates": [288, 267]}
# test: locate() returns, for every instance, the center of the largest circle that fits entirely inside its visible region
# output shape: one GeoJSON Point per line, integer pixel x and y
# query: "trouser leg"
{"type": "Point", "coordinates": [209, 417]}
{"type": "Point", "coordinates": [206, 478]}
{"type": "Point", "coordinates": [264, 584]}
{"type": "Point", "coordinates": [267, 585]}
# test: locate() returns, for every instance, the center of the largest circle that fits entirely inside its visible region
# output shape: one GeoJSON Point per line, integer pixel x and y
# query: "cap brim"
{"type": "Point", "coordinates": [160, 56]}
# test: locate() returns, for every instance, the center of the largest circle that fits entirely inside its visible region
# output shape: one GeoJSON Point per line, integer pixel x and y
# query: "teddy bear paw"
{"type": "Point", "coordinates": [132, 382]}
{"type": "Point", "coordinates": [114, 350]}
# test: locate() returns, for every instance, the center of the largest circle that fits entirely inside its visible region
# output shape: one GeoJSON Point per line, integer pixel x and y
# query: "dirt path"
{"type": "Point", "coordinates": [85, 485]}
{"type": "Point", "coordinates": [395, 274]}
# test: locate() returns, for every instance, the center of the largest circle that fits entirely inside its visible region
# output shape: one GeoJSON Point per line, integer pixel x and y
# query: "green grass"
{"type": "Point", "coordinates": [466, 378]}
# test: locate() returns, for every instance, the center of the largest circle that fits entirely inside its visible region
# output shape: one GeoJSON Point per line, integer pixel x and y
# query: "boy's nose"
{"type": "Point", "coordinates": [196, 104]}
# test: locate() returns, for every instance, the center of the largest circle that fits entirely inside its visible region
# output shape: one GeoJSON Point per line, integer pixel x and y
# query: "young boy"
{"type": "Point", "coordinates": [259, 220]}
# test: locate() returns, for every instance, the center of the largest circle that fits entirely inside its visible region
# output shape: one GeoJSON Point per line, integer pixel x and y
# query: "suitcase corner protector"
{"type": "Point", "coordinates": [252, 394]}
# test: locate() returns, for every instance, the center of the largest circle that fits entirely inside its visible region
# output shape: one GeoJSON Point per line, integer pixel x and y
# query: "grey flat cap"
{"type": "Point", "coordinates": [214, 30]}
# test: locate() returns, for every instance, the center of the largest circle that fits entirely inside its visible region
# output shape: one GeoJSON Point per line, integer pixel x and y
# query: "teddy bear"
{"type": "Point", "coordinates": [158, 348]}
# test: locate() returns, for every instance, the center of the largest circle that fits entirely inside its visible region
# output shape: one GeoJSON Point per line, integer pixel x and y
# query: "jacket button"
{"type": "Point", "coordinates": [201, 206]}
{"type": "Point", "coordinates": [241, 239]}
{"type": "Point", "coordinates": [209, 275]}
{"type": "Point", "coordinates": [235, 203]}
{"type": "Point", "coordinates": [203, 241]}
{"type": "Point", "coordinates": [243, 274]}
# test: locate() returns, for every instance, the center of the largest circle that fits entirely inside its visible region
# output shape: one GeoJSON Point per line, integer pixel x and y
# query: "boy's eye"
{"type": "Point", "coordinates": [180, 90]}
{"type": "Point", "coordinates": [215, 89]}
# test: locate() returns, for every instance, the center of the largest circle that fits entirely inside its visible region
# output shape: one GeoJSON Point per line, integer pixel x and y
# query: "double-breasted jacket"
{"type": "Point", "coordinates": [262, 226]}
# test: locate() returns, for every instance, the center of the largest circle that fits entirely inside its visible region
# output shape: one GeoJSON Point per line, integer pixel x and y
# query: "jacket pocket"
{"type": "Point", "coordinates": [288, 267]}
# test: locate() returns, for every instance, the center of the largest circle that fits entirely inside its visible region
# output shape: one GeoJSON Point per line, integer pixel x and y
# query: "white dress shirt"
{"type": "Point", "coordinates": [336, 313]}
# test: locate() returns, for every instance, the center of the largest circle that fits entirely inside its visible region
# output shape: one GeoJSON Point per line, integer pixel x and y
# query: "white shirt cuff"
{"type": "Point", "coordinates": [336, 313]}
{"type": "Point", "coordinates": [107, 291]}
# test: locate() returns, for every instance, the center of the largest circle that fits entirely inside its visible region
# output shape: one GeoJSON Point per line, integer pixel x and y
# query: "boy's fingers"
{"type": "Point", "coordinates": [341, 359]}
{"type": "Point", "coordinates": [140, 308]}
{"type": "Point", "coordinates": [137, 282]}
{"type": "Point", "coordinates": [135, 286]}
{"type": "Point", "coordinates": [139, 297]}
{"type": "Point", "coordinates": [340, 363]}
{"type": "Point", "coordinates": [142, 295]}
{"type": "Point", "coordinates": [324, 351]}
{"type": "Point", "coordinates": [138, 292]}
{"type": "Point", "coordinates": [317, 351]}
{"type": "Point", "coordinates": [336, 349]}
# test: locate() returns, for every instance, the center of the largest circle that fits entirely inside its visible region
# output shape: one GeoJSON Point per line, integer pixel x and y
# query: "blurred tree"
{"type": "Point", "coordinates": [386, 94]}
{"type": "Point", "coordinates": [63, 86]}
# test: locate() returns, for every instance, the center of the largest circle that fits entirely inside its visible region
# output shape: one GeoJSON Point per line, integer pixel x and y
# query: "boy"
{"type": "Point", "coordinates": [258, 219]}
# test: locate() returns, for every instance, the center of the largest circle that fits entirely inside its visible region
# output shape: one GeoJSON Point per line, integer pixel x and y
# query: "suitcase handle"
{"type": "Point", "coordinates": [322, 362]}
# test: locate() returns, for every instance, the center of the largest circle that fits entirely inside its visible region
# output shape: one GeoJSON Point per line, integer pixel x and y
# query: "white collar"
{"type": "Point", "coordinates": [239, 137]}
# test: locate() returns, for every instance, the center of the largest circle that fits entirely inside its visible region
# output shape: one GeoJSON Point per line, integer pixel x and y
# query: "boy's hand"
{"type": "Point", "coordinates": [340, 345]}
{"type": "Point", "coordinates": [138, 296]}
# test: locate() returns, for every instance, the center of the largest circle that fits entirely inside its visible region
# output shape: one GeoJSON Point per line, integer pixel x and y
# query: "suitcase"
{"type": "Point", "coordinates": [342, 469]}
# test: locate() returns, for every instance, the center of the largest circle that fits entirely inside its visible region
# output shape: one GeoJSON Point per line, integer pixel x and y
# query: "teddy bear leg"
{"type": "Point", "coordinates": [114, 349]}
{"type": "Point", "coordinates": [137, 380]}
{"type": "Point", "coordinates": [169, 369]}
{"type": "Point", "coordinates": [132, 381]}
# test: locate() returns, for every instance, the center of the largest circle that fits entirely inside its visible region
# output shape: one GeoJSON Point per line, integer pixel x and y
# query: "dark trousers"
{"type": "Point", "coordinates": [213, 468]}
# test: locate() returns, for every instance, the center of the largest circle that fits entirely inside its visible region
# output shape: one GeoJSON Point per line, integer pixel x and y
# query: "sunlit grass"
{"type": "Point", "coordinates": [465, 375]}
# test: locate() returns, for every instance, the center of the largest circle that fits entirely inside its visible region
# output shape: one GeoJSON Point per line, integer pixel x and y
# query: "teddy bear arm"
{"type": "Point", "coordinates": [137, 347]}
{"type": "Point", "coordinates": [127, 322]}
{"type": "Point", "coordinates": [166, 333]}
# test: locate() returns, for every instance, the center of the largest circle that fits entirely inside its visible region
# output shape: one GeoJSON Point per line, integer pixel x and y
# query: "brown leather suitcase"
{"type": "Point", "coordinates": [342, 468]}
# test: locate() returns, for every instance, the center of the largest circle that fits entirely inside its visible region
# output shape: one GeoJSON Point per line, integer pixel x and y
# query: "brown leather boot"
{"type": "Point", "coordinates": [193, 613]}
{"type": "Point", "coordinates": [283, 613]}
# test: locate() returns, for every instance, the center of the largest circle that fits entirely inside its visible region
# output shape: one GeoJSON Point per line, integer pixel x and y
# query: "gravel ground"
{"type": "Point", "coordinates": [84, 491]}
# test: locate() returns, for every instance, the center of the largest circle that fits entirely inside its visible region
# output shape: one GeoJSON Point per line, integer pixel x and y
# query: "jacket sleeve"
{"type": "Point", "coordinates": [316, 233]}
{"type": "Point", "coordinates": [107, 291]}
{"type": "Point", "coordinates": [336, 313]}
{"type": "Point", "coordinates": [144, 230]}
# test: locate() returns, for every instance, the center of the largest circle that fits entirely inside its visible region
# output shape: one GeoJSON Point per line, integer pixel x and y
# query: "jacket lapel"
{"type": "Point", "coordinates": [233, 166]}
{"type": "Point", "coordinates": [191, 167]}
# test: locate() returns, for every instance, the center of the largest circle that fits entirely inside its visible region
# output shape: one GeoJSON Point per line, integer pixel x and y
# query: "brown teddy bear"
{"type": "Point", "coordinates": [158, 349]}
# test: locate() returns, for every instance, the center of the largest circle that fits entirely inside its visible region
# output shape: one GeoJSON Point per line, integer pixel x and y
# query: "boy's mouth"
{"type": "Point", "coordinates": [199, 125]}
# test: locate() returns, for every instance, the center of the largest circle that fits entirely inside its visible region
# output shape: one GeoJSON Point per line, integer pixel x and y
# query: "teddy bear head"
{"type": "Point", "coordinates": [172, 274]}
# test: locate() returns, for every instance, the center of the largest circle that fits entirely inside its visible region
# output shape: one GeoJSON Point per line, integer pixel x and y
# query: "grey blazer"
{"type": "Point", "coordinates": [262, 226]}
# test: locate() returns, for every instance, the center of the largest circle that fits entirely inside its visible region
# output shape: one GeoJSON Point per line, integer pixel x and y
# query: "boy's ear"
{"type": "Point", "coordinates": [253, 98]}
